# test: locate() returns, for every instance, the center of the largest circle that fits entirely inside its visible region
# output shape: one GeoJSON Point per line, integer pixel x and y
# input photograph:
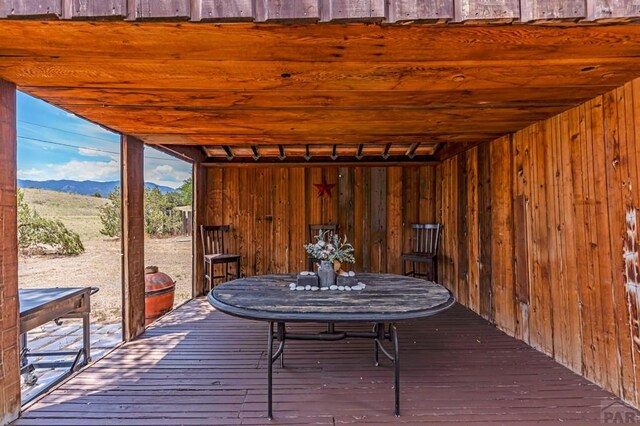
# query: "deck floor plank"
{"type": "Point", "coordinates": [197, 366]}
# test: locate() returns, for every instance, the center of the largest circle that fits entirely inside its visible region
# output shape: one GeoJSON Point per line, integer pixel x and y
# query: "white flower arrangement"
{"type": "Point", "coordinates": [330, 247]}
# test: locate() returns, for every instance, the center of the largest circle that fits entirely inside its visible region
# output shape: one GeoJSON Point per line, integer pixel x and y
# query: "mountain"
{"type": "Point", "coordinates": [87, 187]}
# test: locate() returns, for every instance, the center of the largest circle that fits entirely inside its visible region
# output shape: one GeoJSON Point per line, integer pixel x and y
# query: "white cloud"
{"type": "Point", "coordinates": [166, 175]}
{"type": "Point", "coordinates": [74, 170]}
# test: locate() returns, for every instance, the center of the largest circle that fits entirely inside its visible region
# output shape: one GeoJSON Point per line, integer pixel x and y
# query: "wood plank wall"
{"type": "Point", "coordinates": [542, 236]}
{"type": "Point", "coordinates": [9, 348]}
{"type": "Point", "coordinates": [269, 210]}
{"type": "Point", "coordinates": [430, 11]}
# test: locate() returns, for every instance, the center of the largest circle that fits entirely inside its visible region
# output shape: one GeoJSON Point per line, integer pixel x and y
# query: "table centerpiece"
{"type": "Point", "coordinates": [332, 251]}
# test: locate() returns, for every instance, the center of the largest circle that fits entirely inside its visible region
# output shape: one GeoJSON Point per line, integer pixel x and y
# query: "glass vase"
{"type": "Point", "coordinates": [326, 274]}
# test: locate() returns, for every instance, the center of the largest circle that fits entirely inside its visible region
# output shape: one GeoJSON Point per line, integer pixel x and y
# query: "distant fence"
{"type": "Point", "coordinates": [186, 216]}
{"type": "Point", "coordinates": [183, 225]}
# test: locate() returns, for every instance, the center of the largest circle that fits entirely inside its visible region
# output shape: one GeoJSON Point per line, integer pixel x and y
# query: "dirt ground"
{"type": "Point", "coordinates": [100, 265]}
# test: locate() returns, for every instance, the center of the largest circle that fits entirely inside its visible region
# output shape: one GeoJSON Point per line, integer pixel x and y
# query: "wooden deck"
{"type": "Point", "coordinates": [201, 367]}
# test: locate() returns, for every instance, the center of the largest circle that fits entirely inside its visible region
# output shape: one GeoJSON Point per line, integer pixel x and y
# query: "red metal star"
{"type": "Point", "coordinates": [324, 187]}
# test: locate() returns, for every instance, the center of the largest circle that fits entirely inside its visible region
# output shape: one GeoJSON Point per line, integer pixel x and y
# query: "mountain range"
{"type": "Point", "coordinates": [86, 187]}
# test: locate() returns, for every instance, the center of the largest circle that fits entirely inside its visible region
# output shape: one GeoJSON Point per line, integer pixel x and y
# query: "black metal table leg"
{"type": "Point", "coordinates": [375, 345]}
{"type": "Point", "coordinates": [271, 358]}
{"type": "Point", "coordinates": [379, 334]}
{"type": "Point", "coordinates": [270, 371]}
{"type": "Point", "coordinates": [281, 333]}
{"type": "Point", "coordinates": [396, 366]}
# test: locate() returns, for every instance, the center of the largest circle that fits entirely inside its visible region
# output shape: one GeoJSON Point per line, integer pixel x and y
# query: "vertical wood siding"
{"type": "Point", "coordinates": [541, 236]}
{"type": "Point", "coordinates": [325, 10]}
{"type": "Point", "coordinates": [9, 349]}
{"type": "Point", "coordinates": [269, 210]}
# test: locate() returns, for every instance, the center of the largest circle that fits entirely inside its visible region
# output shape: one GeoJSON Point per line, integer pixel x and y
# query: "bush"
{"type": "Point", "coordinates": [160, 218]}
{"type": "Point", "coordinates": [186, 192]}
{"type": "Point", "coordinates": [110, 215]}
{"type": "Point", "coordinates": [36, 233]}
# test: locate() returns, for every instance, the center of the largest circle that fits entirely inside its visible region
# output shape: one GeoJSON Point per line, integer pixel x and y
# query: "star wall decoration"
{"type": "Point", "coordinates": [324, 188]}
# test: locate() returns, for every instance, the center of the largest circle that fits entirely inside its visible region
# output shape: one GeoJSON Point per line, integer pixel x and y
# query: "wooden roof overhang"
{"type": "Point", "coordinates": [305, 92]}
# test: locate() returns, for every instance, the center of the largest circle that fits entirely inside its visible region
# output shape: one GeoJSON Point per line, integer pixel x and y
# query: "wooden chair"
{"type": "Point", "coordinates": [313, 231]}
{"type": "Point", "coordinates": [214, 253]}
{"type": "Point", "coordinates": [424, 249]}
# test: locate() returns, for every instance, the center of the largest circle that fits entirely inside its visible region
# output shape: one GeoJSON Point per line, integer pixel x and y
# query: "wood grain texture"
{"type": "Point", "coordinates": [133, 313]}
{"type": "Point", "coordinates": [159, 9]}
{"type": "Point", "coordinates": [199, 174]}
{"type": "Point", "coordinates": [606, 10]}
{"type": "Point", "coordinates": [276, 84]}
{"type": "Point", "coordinates": [352, 10]}
{"type": "Point", "coordinates": [571, 216]}
{"type": "Point", "coordinates": [286, 11]}
{"type": "Point", "coordinates": [501, 10]}
{"type": "Point", "coordinates": [27, 9]}
{"type": "Point", "coordinates": [535, 10]}
{"type": "Point", "coordinates": [373, 207]}
{"type": "Point", "coordinates": [331, 43]}
{"type": "Point", "coordinates": [386, 298]}
{"type": "Point", "coordinates": [9, 347]}
{"type": "Point", "coordinates": [85, 9]}
{"type": "Point", "coordinates": [328, 10]}
{"type": "Point", "coordinates": [222, 10]}
{"type": "Point", "coordinates": [420, 11]}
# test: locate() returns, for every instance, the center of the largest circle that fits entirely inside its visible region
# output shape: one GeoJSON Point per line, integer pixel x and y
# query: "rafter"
{"type": "Point", "coordinates": [385, 152]}
{"type": "Point", "coordinates": [411, 152]}
{"type": "Point", "coordinates": [256, 153]}
{"type": "Point", "coordinates": [228, 151]}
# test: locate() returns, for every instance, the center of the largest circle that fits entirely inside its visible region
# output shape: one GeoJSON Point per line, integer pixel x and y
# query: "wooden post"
{"type": "Point", "coordinates": [199, 218]}
{"type": "Point", "coordinates": [9, 330]}
{"type": "Point", "coordinates": [132, 237]}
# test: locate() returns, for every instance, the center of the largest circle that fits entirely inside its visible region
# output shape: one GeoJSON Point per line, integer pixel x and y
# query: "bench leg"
{"type": "Point", "coordinates": [86, 337]}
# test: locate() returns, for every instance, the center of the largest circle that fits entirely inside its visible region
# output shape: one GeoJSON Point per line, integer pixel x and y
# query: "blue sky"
{"type": "Point", "coordinates": [44, 133]}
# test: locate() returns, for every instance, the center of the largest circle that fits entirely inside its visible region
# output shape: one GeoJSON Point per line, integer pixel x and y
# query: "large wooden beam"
{"type": "Point", "coordinates": [308, 160]}
{"type": "Point", "coordinates": [189, 154]}
{"type": "Point", "coordinates": [9, 331]}
{"type": "Point", "coordinates": [132, 237]}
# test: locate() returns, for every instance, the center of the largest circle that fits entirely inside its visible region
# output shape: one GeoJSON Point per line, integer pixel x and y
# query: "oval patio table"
{"type": "Point", "coordinates": [386, 300]}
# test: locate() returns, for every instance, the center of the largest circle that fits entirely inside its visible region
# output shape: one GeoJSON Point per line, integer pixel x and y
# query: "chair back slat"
{"type": "Point", "coordinates": [213, 238]}
{"type": "Point", "coordinates": [424, 237]}
{"type": "Point", "coordinates": [316, 229]}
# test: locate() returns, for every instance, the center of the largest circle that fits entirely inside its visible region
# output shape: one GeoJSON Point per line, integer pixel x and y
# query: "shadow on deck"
{"type": "Point", "coordinates": [201, 367]}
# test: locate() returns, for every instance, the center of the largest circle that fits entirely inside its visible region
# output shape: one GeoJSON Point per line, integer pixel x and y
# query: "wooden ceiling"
{"type": "Point", "coordinates": [331, 92]}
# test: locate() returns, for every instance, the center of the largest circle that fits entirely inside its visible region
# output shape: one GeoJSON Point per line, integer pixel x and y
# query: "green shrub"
{"type": "Point", "coordinates": [36, 233]}
{"type": "Point", "coordinates": [160, 217]}
{"type": "Point", "coordinates": [110, 215]}
{"type": "Point", "coordinates": [186, 192]}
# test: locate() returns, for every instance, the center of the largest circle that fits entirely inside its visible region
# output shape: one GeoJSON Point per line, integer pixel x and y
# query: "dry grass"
{"type": "Point", "coordinates": [100, 265]}
{"type": "Point", "coordinates": [79, 213]}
